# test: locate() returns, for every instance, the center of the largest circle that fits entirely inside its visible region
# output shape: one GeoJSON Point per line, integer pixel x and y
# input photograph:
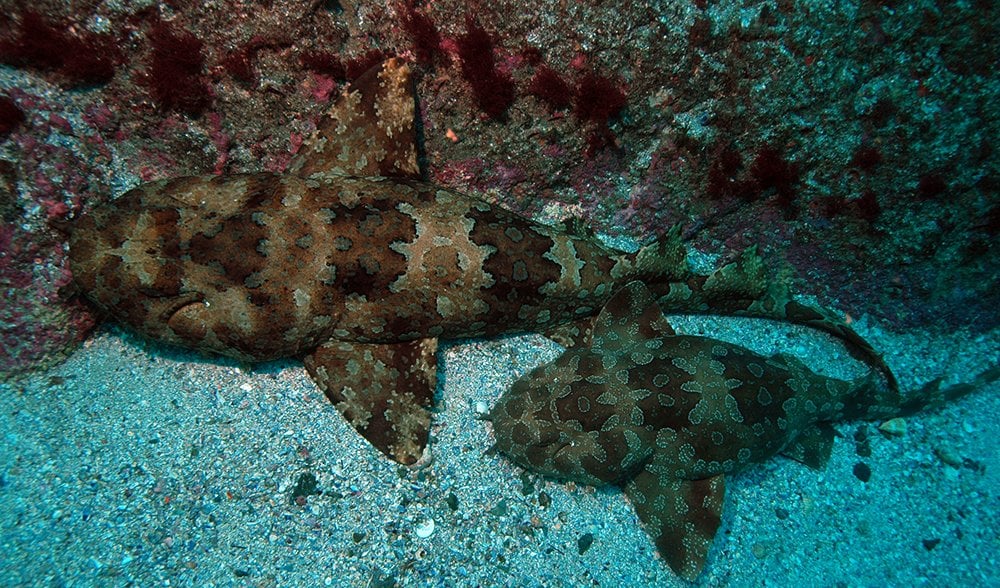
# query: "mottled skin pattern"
{"type": "Point", "coordinates": [667, 416]}
{"type": "Point", "coordinates": [349, 261]}
{"type": "Point", "coordinates": [297, 262]}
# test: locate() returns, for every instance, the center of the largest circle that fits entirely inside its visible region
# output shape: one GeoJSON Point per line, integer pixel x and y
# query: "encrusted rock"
{"type": "Point", "coordinates": [893, 427]}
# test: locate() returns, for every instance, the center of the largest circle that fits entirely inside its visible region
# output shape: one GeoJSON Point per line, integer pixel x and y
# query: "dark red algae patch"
{"type": "Point", "coordinates": [324, 62]}
{"type": "Point", "coordinates": [174, 76]}
{"type": "Point", "coordinates": [548, 86]}
{"type": "Point", "coordinates": [723, 172]}
{"type": "Point", "coordinates": [771, 171]}
{"type": "Point", "coordinates": [11, 116]}
{"type": "Point", "coordinates": [49, 45]}
{"type": "Point", "coordinates": [866, 158]}
{"type": "Point", "coordinates": [931, 185]}
{"type": "Point", "coordinates": [423, 32]}
{"type": "Point", "coordinates": [492, 89]}
{"type": "Point", "coordinates": [597, 99]}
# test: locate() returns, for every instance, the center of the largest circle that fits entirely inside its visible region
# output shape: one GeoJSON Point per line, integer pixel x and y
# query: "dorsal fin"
{"type": "Point", "coordinates": [743, 278]}
{"type": "Point", "coordinates": [631, 315]}
{"type": "Point", "coordinates": [369, 131]}
{"type": "Point", "coordinates": [577, 226]}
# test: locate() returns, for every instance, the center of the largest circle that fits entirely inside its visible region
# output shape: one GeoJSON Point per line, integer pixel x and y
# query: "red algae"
{"type": "Point", "coordinates": [423, 32]}
{"type": "Point", "coordinates": [48, 45]}
{"type": "Point", "coordinates": [771, 171]}
{"type": "Point", "coordinates": [597, 99]}
{"type": "Point", "coordinates": [551, 88]}
{"type": "Point", "coordinates": [175, 77]}
{"type": "Point", "coordinates": [866, 158]}
{"type": "Point", "coordinates": [492, 88]}
{"type": "Point", "coordinates": [11, 116]}
{"type": "Point", "coordinates": [324, 62]}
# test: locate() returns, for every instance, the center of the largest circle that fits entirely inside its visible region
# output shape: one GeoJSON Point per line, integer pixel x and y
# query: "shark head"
{"type": "Point", "coordinates": [125, 262]}
{"type": "Point", "coordinates": [558, 421]}
{"type": "Point", "coordinates": [216, 263]}
{"type": "Point", "coordinates": [185, 261]}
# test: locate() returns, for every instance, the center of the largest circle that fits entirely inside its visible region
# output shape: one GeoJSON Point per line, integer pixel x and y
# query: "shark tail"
{"type": "Point", "coordinates": [933, 395]}
{"type": "Point", "coordinates": [782, 307]}
{"type": "Point", "coordinates": [741, 288]}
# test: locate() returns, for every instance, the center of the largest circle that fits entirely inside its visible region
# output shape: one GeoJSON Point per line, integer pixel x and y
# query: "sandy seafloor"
{"type": "Point", "coordinates": [134, 464]}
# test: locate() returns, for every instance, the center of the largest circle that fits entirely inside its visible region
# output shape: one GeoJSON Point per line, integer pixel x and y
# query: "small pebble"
{"type": "Point", "coordinates": [527, 484]}
{"type": "Point", "coordinates": [930, 544]}
{"type": "Point", "coordinates": [781, 513]}
{"type": "Point", "coordinates": [425, 528]}
{"type": "Point", "coordinates": [949, 456]}
{"type": "Point", "coordinates": [893, 427]}
{"type": "Point", "coordinates": [584, 542]}
{"type": "Point", "coordinates": [862, 471]}
{"type": "Point", "coordinates": [760, 550]}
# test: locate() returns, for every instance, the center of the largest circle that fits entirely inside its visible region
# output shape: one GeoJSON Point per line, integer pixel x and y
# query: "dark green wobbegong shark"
{"type": "Point", "coordinates": [668, 416]}
{"type": "Point", "coordinates": [352, 263]}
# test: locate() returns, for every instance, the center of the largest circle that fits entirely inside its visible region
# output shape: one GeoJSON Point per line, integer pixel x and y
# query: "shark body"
{"type": "Point", "coordinates": [352, 263]}
{"type": "Point", "coordinates": [668, 416]}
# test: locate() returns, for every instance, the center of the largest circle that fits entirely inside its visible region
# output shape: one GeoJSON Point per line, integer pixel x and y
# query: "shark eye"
{"type": "Point", "coordinates": [180, 303]}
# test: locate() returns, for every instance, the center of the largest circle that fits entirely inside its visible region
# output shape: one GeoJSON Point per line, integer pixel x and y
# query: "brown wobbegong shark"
{"type": "Point", "coordinates": [668, 416]}
{"type": "Point", "coordinates": [352, 263]}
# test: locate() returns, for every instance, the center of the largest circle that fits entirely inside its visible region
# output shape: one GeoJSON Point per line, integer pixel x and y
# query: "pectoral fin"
{"type": "Point", "coordinates": [681, 516]}
{"type": "Point", "coordinates": [384, 390]}
{"type": "Point", "coordinates": [813, 446]}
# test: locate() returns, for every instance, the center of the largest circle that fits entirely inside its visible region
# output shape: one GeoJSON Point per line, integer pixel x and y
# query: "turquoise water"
{"type": "Point", "coordinates": [851, 142]}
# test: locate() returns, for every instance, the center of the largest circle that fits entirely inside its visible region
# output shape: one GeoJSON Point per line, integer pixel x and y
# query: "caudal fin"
{"type": "Point", "coordinates": [783, 308]}
{"type": "Point", "coordinates": [741, 288]}
{"type": "Point", "coordinates": [932, 395]}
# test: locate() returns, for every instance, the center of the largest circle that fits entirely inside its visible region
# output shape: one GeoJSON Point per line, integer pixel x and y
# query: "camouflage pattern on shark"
{"type": "Point", "coordinates": [668, 416]}
{"type": "Point", "coordinates": [349, 261]}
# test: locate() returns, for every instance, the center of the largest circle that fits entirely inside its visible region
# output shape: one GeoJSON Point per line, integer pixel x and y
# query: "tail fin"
{"type": "Point", "coordinates": [780, 306]}
{"type": "Point", "coordinates": [741, 288]}
{"type": "Point", "coordinates": [932, 395]}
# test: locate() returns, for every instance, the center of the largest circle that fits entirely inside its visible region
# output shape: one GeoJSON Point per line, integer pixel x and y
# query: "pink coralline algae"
{"type": "Point", "coordinates": [36, 323]}
{"type": "Point", "coordinates": [57, 159]}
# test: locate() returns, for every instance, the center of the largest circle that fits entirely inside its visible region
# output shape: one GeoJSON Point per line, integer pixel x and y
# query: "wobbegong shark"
{"type": "Point", "coordinates": [668, 417]}
{"type": "Point", "coordinates": [350, 262]}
